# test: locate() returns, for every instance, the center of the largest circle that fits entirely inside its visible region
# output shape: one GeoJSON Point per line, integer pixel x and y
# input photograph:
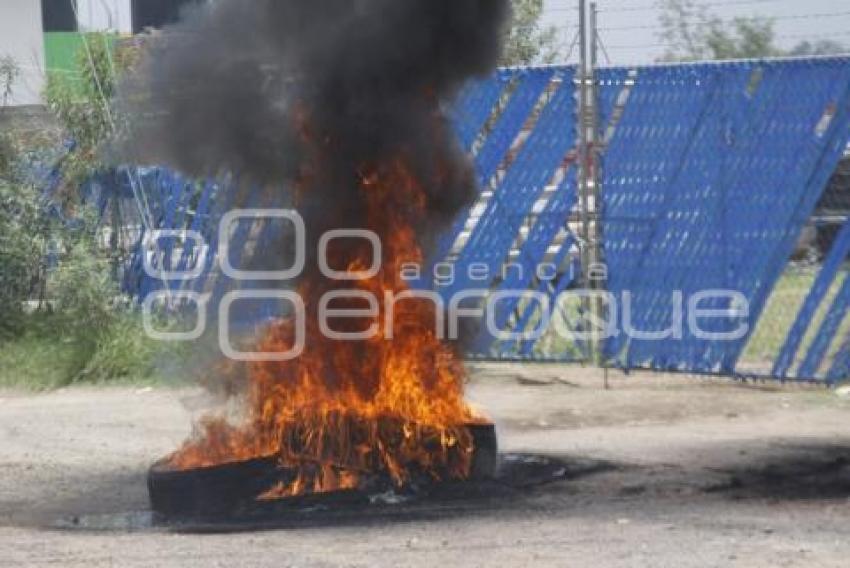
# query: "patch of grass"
{"type": "Point", "coordinates": [45, 360]}
{"type": "Point", "coordinates": [124, 353]}
{"type": "Point", "coordinates": [37, 363]}
{"type": "Point", "coordinates": [556, 343]}
{"type": "Point", "coordinates": [780, 314]}
{"type": "Point", "coordinates": [767, 340]}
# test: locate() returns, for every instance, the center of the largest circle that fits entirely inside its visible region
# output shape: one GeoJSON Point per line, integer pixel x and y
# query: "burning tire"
{"type": "Point", "coordinates": [222, 491]}
{"type": "Point", "coordinates": [485, 457]}
{"type": "Point", "coordinates": [211, 491]}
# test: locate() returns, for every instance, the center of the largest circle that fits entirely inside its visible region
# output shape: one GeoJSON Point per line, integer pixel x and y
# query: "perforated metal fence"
{"type": "Point", "coordinates": [713, 177]}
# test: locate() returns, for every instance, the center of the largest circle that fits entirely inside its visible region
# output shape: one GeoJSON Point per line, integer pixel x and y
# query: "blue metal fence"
{"type": "Point", "coordinates": [710, 174]}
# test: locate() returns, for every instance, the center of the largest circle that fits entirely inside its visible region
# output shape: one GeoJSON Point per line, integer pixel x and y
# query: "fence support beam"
{"type": "Point", "coordinates": [589, 179]}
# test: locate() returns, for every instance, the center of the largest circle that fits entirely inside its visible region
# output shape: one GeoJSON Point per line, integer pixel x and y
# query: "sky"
{"type": "Point", "coordinates": [795, 21]}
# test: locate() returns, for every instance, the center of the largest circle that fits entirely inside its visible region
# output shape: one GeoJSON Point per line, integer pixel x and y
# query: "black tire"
{"type": "Point", "coordinates": [221, 491]}
{"type": "Point", "coordinates": [209, 492]}
{"type": "Point", "coordinates": [486, 456]}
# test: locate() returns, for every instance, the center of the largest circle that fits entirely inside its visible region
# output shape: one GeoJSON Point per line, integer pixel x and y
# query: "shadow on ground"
{"type": "Point", "coordinates": [797, 472]}
{"type": "Point", "coordinates": [527, 484]}
{"type": "Point", "coordinates": [520, 476]}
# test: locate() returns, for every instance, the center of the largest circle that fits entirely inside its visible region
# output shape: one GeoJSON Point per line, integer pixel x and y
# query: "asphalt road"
{"type": "Point", "coordinates": [662, 472]}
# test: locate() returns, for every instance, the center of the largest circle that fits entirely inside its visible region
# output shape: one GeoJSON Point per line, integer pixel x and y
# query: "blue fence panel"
{"type": "Point", "coordinates": [710, 172]}
{"type": "Point", "coordinates": [514, 204]}
{"type": "Point", "coordinates": [515, 195]}
{"type": "Point", "coordinates": [644, 163]}
{"type": "Point", "coordinates": [800, 158]}
{"type": "Point", "coordinates": [527, 86]}
{"type": "Point", "coordinates": [826, 276]}
{"type": "Point", "coordinates": [742, 194]}
{"type": "Point", "coordinates": [729, 149]}
{"type": "Point", "coordinates": [474, 107]}
{"type": "Point", "coordinates": [840, 369]}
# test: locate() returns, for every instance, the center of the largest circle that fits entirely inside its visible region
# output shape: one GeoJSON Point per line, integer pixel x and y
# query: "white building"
{"type": "Point", "coordinates": [126, 16]}
{"type": "Point", "coordinates": [24, 23]}
{"type": "Point", "coordinates": [105, 15]}
{"type": "Point", "coordinates": [22, 40]}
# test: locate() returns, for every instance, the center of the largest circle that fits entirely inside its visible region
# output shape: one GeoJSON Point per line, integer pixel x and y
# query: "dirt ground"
{"type": "Point", "coordinates": [680, 472]}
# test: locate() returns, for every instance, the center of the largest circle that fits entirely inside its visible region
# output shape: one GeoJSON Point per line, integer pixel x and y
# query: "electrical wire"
{"type": "Point", "coordinates": [716, 4]}
{"type": "Point", "coordinates": [601, 45]}
{"type": "Point", "coordinates": [655, 6]}
{"type": "Point", "coordinates": [138, 191]}
{"type": "Point", "coordinates": [783, 36]}
{"type": "Point", "coordinates": [816, 16]}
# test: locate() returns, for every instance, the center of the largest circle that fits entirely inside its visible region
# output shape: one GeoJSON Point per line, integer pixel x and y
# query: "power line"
{"type": "Point", "coordinates": [774, 18]}
{"type": "Point", "coordinates": [784, 36]}
{"type": "Point", "coordinates": [603, 48]}
{"type": "Point", "coordinates": [655, 6]}
{"type": "Point", "coordinates": [719, 3]}
{"type": "Point", "coordinates": [136, 185]}
{"type": "Point", "coordinates": [544, 27]}
{"type": "Point", "coordinates": [573, 45]}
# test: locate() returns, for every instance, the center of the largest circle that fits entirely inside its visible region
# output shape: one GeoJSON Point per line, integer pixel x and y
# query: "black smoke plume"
{"type": "Point", "coordinates": [226, 90]}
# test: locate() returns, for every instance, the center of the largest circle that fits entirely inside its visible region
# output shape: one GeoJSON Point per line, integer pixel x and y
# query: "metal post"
{"type": "Point", "coordinates": [584, 193]}
{"type": "Point", "coordinates": [589, 176]}
{"type": "Point", "coordinates": [597, 259]}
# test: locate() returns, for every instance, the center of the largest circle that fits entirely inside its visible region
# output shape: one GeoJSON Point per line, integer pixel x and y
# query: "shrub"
{"type": "Point", "coordinates": [83, 330]}
{"type": "Point", "coordinates": [23, 232]}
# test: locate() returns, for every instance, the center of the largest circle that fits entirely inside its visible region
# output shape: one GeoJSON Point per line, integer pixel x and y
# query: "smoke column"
{"type": "Point", "coordinates": [226, 91]}
{"type": "Point", "coordinates": [335, 108]}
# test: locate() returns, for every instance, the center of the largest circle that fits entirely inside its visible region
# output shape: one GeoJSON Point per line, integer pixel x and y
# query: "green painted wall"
{"type": "Point", "coordinates": [60, 50]}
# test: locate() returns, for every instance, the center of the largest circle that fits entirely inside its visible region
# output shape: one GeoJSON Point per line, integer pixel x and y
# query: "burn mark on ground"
{"type": "Point", "coordinates": [520, 478]}
{"type": "Point", "coordinates": [115, 502]}
{"type": "Point", "coordinates": [808, 473]}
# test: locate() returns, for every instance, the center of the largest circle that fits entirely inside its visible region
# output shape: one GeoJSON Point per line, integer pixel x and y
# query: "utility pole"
{"type": "Point", "coordinates": [589, 186]}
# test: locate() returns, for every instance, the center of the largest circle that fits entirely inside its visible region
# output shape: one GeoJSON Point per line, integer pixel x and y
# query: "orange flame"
{"type": "Point", "coordinates": [345, 411]}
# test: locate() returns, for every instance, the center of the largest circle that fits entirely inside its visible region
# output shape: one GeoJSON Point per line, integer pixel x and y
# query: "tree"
{"type": "Point", "coordinates": [9, 73]}
{"type": "Point", "coordinates": [527, 41]}
{"type": "Point", "coordinates": [681, 23]}
{"type": "Point", "coordinates": [83, 103]}
{"type": "Point", "coordinates": [692, 33]}
{"type": "Point", "coordinates": [23, 230]}
{"type": "Point", "coordinates": [820, 47]}
{"type": "Point", "coordinates": [742, 38]}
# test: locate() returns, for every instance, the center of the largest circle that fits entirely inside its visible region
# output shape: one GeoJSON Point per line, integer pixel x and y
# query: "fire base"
{"type": "Point", "coordinates": [225, 490]}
